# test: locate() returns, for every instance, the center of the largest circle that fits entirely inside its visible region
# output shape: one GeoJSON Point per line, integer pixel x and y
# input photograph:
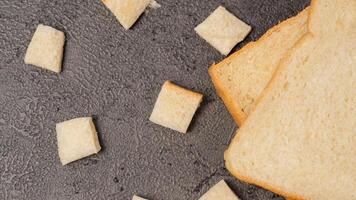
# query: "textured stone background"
{"type": "Point", "coordinates": [115, 76]}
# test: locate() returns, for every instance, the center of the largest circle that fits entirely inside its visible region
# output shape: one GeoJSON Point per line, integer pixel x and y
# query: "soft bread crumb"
{"type": "Point", "coordinates": [77, 138]}
{"type": "Point", "coordinates": [127, 11]}
{"type": "Point", "coordinates": [221, 191]}
{"type": "Point", "coordinates": [223, 30]}
{"type": "Point", "coordinates": [46, 49]}
{"type": "Point", "coordinates": [175, 107]}
{"type": "Point", "coordinates": [137, 198]}
{"type": "Point", "coordinates": [154, 4]}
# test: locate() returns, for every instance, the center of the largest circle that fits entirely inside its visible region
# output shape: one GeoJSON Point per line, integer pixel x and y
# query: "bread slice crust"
{"type": "Point", "coordinates": [228, 96]}
{"type": "Point", "coordinates": [236, 139]}
{"type": "Point", "coordinates": [265, 96]}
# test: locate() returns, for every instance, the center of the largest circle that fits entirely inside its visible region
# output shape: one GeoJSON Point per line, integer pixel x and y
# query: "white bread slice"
{"type": "Point", "coordinates": [240, 78]}
{"type": "Point", "coordinates": [300, 141]}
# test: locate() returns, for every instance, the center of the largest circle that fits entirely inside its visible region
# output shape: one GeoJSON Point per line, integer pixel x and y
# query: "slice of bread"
{"type": "Point", "coordinates": [300, 141]}
{"type": "Point", "coordinates": [240, 78]}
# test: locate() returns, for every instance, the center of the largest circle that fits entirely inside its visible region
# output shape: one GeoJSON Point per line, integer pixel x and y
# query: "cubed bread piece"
{"type": "Point", "coordinates": [46, 49]}
{"type": "Point", "coordinates": [223, 30]}
{"type": "Point", "coordinates": [77, 138]}
{"type": "Point", "coordinates": [221, 191]}
{"type": "Point", "coordinates": [137, 198]}
{"type": "Point", "coordinates": [175, 107]}
{"type": "Point", "coordinates": [127, 11]}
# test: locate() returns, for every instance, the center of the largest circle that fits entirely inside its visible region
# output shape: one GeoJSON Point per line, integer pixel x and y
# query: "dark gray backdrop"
{"type": "Point", "coordinates": [115, 76]}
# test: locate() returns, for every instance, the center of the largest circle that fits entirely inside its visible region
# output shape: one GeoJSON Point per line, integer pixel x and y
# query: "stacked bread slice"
{"type": "Point", "coordinates": [300, 139]}
{"type": "Point", "coordinates": [240, 78]}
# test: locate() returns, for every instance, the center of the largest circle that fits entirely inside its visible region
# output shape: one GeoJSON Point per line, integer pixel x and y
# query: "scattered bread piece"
{"type": "Point", "coordinates": [154, 4]}
{"type": "Point", "coordinates": [300, 141]}
{"type": "Point", "coordinates": [241, 78]}
{"type": "Point", "coordinates": [77, 138]}
{"type": "Point", "coordinates": [223, 30]}
{"type": "Point", "coordinates": [175, 107]}
{"type": "Point", "coordinates": [46, 49]}
{"type": "Point", "coordinates": [127, 11]}
{"type": "Point", "coordinates": [137, 198]}
{"type": "Point", "coordinates": [221, 191]}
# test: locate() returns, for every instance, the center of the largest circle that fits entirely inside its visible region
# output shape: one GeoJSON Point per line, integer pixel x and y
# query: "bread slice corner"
{"type": "Point", "coordinates": [240, 78]}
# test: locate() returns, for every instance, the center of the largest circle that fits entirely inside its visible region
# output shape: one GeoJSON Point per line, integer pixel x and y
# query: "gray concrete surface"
{"type": "Point", "coordinates": [115, 76]}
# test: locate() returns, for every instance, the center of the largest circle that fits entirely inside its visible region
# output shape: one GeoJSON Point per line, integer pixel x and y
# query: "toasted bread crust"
{"type": "Point", "coordinates": [172, 86]}
{"type": "Point", "coordinates": [234, 108]}
{"type": "Point", "coordinates": [313, 5]}
{"type": "Point", "coordinates": [262, 184]}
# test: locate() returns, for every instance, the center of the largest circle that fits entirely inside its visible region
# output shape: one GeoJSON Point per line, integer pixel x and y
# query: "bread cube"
{"type": "Point", "coordinates": [137, 198]}
{"type": "Point", "coordinates": [127, 11]}
{"type": "Point", "coordinates": [175, 107]}
{"type": "Point", "coordinates": [223, 30]}
{"type": "Point", "coordinates": [77, 138]}
{"type": "Point", "coordinates": [220, 191]}
{"type": "Point", "coordinates": [46, 49]}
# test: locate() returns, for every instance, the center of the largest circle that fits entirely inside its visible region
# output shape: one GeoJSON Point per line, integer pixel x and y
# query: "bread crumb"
{"type": "Point", "coordinates": [154, 4]}
{"type": "Point", "coordinates": [137, 198]}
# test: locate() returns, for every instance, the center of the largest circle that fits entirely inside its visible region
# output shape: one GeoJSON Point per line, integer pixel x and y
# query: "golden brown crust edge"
{"type": "Point", "coordinates": [172, 86]}
{"type": "Point", "coordinates": [235, 109]}
{"type": "Point", "coordinates": [312, 6]}
{"type": "Point", "coordinates": [264, 185]}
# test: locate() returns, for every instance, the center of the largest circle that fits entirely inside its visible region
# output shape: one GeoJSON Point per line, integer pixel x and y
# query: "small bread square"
{"type": "Point", "coordinates": [223, 30]}
{"type": "Point", "coordinates": [127, 11]}
{"type": "Point", "coordinates": [137, 198]}
{"type": "Point", "coordinates": [175, 107]}
{"type": "Point", "coordinates": [77, 138]}
{"type": "Point", "coordinates": [46, 49]}
{"type": "Point", "coordinates": [220, 191]}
